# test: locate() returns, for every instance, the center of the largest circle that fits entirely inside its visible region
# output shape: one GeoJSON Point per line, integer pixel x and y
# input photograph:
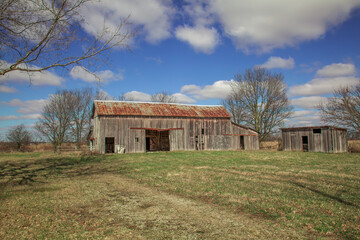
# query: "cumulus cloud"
{"type": "Point", "coordinates": [83, 74]}
{"type": "Point", "coordinates": [27, 107]}
{"type": "Point", "coordinates": [182, 98]}
{"type": "Point", "coordinates": [303, 113]}
{"type": "Point", "coordinates": [336, 69]}
{"type": "Point", "coordinates": [278, 62]}
{"type": "Point", "coordinates": [137, 96]}
{"type": "Point", "coordinates": [304, 120]}
{"type": "Point", "coordinates": [12, 117]}
{"type": "Point", "coordinates": [329, 77]}
{"type": "Point", "coordinates": [219, 89]}
{"type": "Point", "coordinates": [31, 116]}
{"type": "Point", "coordinates": [261, 26]}
{"type": "Point", "coordinates": [202, 39]}
{"type": "Point", "coordinates": [254, 26]}
{"type": "Point", "coordinates": [6, 89]}
{"type": "Point", "coordinates": [322, 86]}
{"type": "Point", "coordinates": [307, 102]}
{"type": "Point", "coordinates": [35, 78]}
{"type": "Point", "coordinates": [153, 16]}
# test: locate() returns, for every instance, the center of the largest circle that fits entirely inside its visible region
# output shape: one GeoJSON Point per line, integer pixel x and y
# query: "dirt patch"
{"type": "Point", "coordinates": [150, 213]}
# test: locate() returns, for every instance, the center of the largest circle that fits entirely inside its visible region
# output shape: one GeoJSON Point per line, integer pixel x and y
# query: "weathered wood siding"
{"type": "Point", "coordinates": [329, 140]}
{"type": "Point", "coordinates": [184, 133]}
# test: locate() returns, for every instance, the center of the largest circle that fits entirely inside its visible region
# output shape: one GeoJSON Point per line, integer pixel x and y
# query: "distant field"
{"type": "Point", "coordinates": [180, 195]}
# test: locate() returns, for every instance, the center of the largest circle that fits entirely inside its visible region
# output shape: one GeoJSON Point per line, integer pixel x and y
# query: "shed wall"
{"type": "Point", "coordinates": [329, 140]}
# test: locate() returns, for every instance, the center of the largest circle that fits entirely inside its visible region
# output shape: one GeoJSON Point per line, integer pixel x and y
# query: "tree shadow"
{"type": "Point", "coordinates": [324, 194]}
{"type": "Point", "coordinates": [39, 171]}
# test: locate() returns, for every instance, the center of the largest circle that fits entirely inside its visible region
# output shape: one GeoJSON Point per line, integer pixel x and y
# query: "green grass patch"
{"type": "Point", "coordinates": [68, 196]}
{"type": "Point", "coordinates": [313, 191]}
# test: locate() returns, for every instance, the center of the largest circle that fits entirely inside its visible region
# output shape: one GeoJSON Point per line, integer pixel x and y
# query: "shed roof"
{"type": "Point", "coordinates": [313, 127]}
{"type": "Point", "coordinates": [126, 108]}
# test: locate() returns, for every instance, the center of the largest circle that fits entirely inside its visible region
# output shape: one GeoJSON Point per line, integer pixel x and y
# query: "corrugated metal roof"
{"type": "Point", "coordinates": [123, 108]}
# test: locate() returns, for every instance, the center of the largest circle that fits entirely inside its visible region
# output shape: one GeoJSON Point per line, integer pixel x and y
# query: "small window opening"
{"type": "Point", "coordinates": [136, 139]}
{"type": "Point", "coordinates": [317, 131]}
{"type": "Point", "coordinates": [202, 131]}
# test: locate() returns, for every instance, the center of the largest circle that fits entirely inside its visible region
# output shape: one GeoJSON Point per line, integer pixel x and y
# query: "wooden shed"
{"type": "Point", "coordinates": [315, 139]}
{"type": "Point", "coordinates": [141, 127]}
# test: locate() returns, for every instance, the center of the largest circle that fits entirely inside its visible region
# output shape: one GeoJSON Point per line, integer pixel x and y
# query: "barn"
{"type": "Point", "coordinates": [315, 139]}
{"type": "Point", "coordinates": [141, 127]}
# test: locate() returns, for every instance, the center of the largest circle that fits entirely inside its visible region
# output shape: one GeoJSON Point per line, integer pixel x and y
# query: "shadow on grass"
{"type": "Point", "coordinates": [27, 172]}
{"type": "Point", "coordinates": [324, 194]}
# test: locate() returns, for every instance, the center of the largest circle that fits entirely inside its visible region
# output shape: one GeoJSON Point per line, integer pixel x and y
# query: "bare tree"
{"type": "Point", "coordinates": [20, 136]}
{"type": "Point", "coordinates": [101, 95]}
{"type": "Point", "coordinates": [36, 35]}
{"type": "Point", "coordinates": [343, 108]}
{"type": "Point", "coordinates": [81, 108]}
{"type": "Point", "coordinates": [56, 118]}
{"type": "Point", "coordinates": [258, 100]}
{"type": "Point", "coordinates": [163, 97]}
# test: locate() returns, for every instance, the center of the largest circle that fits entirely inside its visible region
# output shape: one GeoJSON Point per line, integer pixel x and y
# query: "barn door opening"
{"type": "Point", "coordinates": [147, 144]}
{"type": "Point", "coordinates": [305, 143]}
{"type": "Point", "coordinates": [109, 145]}
{"type": "Point", "coordinates": [242, 143]}
{"type": "Point", "coordinates": [157, 140]}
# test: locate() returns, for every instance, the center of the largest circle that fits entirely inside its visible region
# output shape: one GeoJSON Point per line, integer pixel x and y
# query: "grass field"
{"type": "Point", "coordinates": [180, 195]}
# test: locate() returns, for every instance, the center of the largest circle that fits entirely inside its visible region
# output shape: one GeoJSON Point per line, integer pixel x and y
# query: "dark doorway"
{"type": "Point", "coordinates": [157, 140]}
{"type": "Point", "coordinates": [242, 143]}
{"type": "Point", "coordinates": [147, 144]}
{"type": "Point", "coordinates": [109, 145]}
{"type": "Point", "coordinates": [305, 143]}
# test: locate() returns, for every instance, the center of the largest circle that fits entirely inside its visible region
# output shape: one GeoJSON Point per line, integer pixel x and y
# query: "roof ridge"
{"type": "Point", "coordinates": [185, 104]}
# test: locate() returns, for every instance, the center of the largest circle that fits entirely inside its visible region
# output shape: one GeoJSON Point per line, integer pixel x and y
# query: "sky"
{"type": "Point", "coordinates": [193, 48]}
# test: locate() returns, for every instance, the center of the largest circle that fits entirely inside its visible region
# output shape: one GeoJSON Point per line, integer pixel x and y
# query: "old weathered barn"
{"type": "Point", "coordinates": [141, 127]}
{"type": "Point", "coordinates": [315, 139]}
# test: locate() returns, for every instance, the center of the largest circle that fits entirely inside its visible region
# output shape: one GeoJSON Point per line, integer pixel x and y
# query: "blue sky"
{"type": "Point", "coordinates": [193, 49]}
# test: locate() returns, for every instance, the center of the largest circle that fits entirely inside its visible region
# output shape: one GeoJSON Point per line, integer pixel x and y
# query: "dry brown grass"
{"type": "Point", "coordinates": [180, 195]}
{"type": "Point", "coordinates": [354, 146]}
{"type": "Point", "coordinates": [270, 145]}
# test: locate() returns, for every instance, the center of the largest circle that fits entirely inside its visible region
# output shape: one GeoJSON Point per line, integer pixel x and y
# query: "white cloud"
{"type": "Point", "coordinates": [304, 120]}
{"type": "Point", "coordinates": [321, 86]}
{"type": "Point", "coordinates": [261, 26]}
{"type": "Point", "coordinates": [182, 98]}
{"type": "Point", "coordinates": [307, 102]}
{"type": "Point", "coordinates": [303, 113]}
{"type": "Point", "coordinates": [6, 118]}
{"type": "Point", "coordinates": [202, 39]}
{"type": "Point", "coordinates": [330, 77]}
{"type": "Point", "coordinates": [31, 116]}
{"type": "Point", "coordinates": [12, 117]}
{"type": "Point", "coordinates": [154, 16]}
{"type": "Point", "coordinates": [35, 78]}
{"type": "Point", "coordinates": [278, 62]}
{"type": "Point", "coordinates": [6, 89]}
{"type": "Point", "coordinates": [336, 69]}
{"type": "Point", "coordinates": [83, 74]}
{"type": "Point", "coordinates": [220, 89]}
{"type": "Point", "coordinates": [137, 96]}
{"type": "Point", "coordinates": [27, 107]}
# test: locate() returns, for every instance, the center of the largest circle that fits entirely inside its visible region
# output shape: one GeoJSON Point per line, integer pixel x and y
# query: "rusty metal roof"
{"type": "Point", "coordinates": [124, 108]}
